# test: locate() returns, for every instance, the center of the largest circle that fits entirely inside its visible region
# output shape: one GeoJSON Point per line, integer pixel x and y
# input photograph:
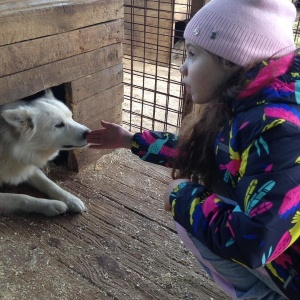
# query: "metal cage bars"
{"type": "Point", "coordinates": [153, 52]}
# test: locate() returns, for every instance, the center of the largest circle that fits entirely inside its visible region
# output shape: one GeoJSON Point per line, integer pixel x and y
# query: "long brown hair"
{"type": "Point", "coordinates": [196, 159]}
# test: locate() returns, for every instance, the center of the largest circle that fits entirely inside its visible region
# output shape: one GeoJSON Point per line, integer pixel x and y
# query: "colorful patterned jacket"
{"type": "Point", "coordinates": [255, 221]}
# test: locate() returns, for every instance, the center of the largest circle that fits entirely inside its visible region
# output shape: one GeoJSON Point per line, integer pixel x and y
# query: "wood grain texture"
{"type": "Point", "coordinates": [27, 19]}
{"type": "Point", "coordinates": [124, 247]}
{"type": "Point", "coordinates": [97, 105]}
{"type": "Point", "coordinates": [93, 84]}
{"type": "Point", "coordinates": [31, 81]}
{"type": "Point", "coordinates": [34, 53]}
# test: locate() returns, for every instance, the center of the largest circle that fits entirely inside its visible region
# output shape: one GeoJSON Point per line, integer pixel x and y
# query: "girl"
{"type": "Point", "coordinates": [235, 194]}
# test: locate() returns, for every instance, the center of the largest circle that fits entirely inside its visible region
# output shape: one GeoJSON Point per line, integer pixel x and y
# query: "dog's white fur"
{"type": "Point", "coordinates": [31, 134]}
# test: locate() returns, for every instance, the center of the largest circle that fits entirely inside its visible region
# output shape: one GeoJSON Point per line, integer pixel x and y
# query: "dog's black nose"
{"type": "Point", "coordinates": [85, 134]}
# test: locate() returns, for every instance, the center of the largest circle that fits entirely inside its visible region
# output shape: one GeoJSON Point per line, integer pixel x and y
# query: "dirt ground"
{"type": "Point", "coordinates": [123, 247]}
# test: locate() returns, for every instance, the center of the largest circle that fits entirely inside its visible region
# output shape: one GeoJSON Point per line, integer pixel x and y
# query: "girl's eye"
{"type": "Point", "coordinates": [190, 53]}
{"type": "Point", "coordinates": [59, 125]}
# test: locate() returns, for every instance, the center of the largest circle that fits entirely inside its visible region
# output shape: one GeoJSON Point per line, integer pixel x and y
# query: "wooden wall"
{"type": "Point", "coordinates": [77, 43]}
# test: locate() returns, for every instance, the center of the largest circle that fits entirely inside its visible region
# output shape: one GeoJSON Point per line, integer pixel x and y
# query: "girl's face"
{"type": "Point", "coordinates": [202, 74]}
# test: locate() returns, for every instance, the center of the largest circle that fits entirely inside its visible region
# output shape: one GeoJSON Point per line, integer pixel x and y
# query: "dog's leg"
{"type": "Point", "coordinates": [15, 203]}
{"type": "Point", "coordinates": [41, 182]}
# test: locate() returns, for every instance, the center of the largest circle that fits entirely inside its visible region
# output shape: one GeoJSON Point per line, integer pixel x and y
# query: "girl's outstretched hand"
{"type": "Point", "coordinates": [111, 136]}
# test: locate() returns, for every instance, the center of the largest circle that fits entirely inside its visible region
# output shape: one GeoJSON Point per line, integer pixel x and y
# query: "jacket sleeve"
{"type": "Point", "coordinates": [263, 219]}
{"type": "Point", "coordinates": [155, 147]}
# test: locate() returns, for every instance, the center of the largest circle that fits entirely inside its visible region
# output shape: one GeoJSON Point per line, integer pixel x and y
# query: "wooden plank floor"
{"type": "Point", "coordinates": [124, 247]}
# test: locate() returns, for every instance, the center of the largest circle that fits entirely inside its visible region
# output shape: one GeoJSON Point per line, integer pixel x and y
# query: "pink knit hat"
{"type": "Point", "coordinates": [244, 31]}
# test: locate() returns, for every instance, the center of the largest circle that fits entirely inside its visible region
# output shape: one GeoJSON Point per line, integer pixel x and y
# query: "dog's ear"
{"type": "Point", "coordinates": [49, 94]}
{"type": "Point", "coordinates": [21, 120]}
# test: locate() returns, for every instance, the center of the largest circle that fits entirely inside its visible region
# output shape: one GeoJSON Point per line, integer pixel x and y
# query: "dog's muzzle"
{"type": "Point", "coordinates": [82, 138]}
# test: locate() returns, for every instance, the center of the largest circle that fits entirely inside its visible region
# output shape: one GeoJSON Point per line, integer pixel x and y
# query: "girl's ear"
{"type": "Point", "coordinates": [229, 66]}
{"type": "Point", "coordinates": [234, 68]}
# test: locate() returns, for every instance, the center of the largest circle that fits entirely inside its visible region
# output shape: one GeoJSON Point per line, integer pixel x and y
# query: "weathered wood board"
{"type": "Point", "coordinates": [30, 81]}
{"type": "Point", "coordinates": [52, 48]}
{"type": "Point", "coordinates": [124, 247]}
{"type": "Point", "coordinates": [22, 20]}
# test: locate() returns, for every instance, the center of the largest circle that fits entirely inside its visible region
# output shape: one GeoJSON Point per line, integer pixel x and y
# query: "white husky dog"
{"type": "Point", "coordinates": [31, 134]}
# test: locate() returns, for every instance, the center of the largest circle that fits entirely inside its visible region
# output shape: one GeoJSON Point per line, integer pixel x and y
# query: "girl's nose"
{"type": "Point", "coordinates": [182, 69]}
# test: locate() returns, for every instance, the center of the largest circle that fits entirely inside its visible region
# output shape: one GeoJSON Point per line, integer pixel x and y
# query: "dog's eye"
{"type": "Point", "coordinates": [59, 125]}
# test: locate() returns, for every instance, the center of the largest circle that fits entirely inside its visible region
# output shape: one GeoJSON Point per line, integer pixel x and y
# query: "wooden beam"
{"type": "Point", "coordinates": [30, 54]}
{"type": "Point", "coordinates": [93, 107]}
{"type": "Point", "coordinates": [31, 81]}
{"type": "Point", "coordinates": [88, 86]}
{"type": "Point", "coordinates": [28, 20]}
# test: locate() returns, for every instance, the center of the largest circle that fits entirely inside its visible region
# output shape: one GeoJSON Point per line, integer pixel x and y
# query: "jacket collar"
{"type": "Point", "coordinates": [270, 80]}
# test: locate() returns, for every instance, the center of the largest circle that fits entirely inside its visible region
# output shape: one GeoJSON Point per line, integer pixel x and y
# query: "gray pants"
{"type": "Point", "coordinates": [237, 281]}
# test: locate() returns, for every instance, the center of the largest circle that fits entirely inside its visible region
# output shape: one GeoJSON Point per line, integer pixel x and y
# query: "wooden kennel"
{"type": "Point", "coordinates": [74, 43]}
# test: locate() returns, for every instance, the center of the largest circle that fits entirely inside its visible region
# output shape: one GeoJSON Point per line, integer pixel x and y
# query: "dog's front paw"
{"type": "Point", "coordinates": [75, 204]}
{"type": "Point", "coordinates": [53, 208]}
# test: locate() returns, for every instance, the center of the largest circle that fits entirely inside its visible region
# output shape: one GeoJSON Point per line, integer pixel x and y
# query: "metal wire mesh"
{"type": "Point", "coordinates": [153, 52]}
{"type": "Point", "coordinates": [297, 24]}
